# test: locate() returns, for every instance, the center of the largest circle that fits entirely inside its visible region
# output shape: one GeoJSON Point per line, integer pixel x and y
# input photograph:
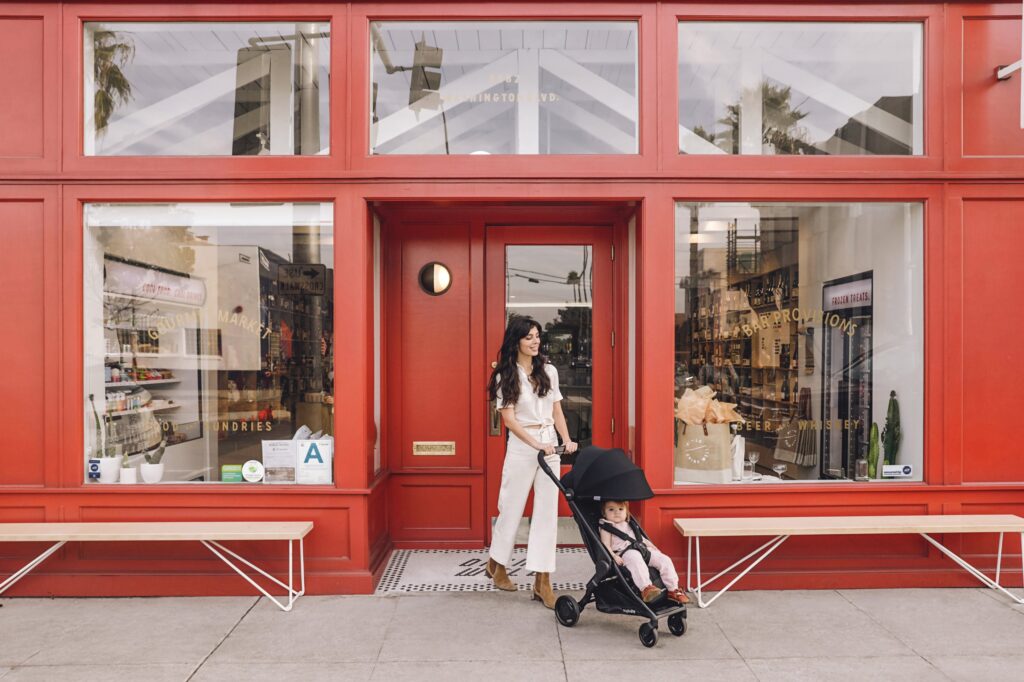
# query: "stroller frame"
{"type": "Point", "coordinates": [567, 608]}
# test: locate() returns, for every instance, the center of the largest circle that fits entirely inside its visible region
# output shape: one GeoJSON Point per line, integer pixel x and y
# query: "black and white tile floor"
{"type": "Point", "coordinates": [462, 570]}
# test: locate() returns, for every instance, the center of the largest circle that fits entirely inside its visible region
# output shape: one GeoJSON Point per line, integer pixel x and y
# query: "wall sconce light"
{"type": "Point", "coordinates": [435, 278]}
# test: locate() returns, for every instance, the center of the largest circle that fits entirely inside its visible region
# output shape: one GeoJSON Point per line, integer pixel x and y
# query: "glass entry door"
{"type": "Point", "coordinates": [561, 277]}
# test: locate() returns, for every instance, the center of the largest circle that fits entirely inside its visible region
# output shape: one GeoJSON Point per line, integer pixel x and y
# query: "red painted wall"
{"type": "Point", "coordinates": [971, 180]}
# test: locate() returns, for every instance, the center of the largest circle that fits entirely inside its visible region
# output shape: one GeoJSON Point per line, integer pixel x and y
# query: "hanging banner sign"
{"type": "Point", "coordinates": [848, 295]}
{"type": "Point", "coordinates": [156, 285]}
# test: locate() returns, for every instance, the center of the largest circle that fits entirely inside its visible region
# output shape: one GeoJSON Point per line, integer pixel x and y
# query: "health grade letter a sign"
{"type": "Point", "coordinates": [314, 461]}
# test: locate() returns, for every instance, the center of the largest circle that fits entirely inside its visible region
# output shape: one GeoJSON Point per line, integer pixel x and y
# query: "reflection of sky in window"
{"type": "Point", "coordinates": [268, 226]}
{"type": "Point", "coordinates": [172, 57]}
{"type": "Point", "coordinates": [869, 61]}
{"type": "Point", "coordinates": [544, 274]}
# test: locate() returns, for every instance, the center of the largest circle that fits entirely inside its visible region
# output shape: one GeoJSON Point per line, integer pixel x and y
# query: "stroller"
{"type": "Point", "coordinates": [598, 475]}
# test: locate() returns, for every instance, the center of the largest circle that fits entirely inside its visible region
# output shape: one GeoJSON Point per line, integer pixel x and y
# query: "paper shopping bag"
{"type": "Point", "coordinates": [703, 453]}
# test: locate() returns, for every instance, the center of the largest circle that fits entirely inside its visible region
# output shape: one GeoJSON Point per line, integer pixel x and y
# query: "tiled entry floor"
{"type": "Point", "coordinates": [462, 570]}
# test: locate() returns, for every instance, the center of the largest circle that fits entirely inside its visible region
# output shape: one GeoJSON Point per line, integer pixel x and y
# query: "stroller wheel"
{"type": "Point", "coordinates": [648, 635]}
{"type": "Point", "coordinates": [567, 611]}
{"type": "Point", "coordinates": [677, 624]}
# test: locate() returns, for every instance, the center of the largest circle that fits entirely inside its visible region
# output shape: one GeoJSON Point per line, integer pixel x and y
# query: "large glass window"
{"type": "Point", "coordinates": [807, 318]}
{"type": "Point", "coordinates": [500, 87]}
{"type": "Point", "coordinates": [206, 89]}
{"type": "Point", "coordinates": [208, 332]}
{"type": "Point", "coordinates": [800, 88]}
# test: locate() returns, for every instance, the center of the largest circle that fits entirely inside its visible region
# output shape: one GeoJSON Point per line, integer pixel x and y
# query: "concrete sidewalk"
{"type": "Point", "coordinates": [913, 634]}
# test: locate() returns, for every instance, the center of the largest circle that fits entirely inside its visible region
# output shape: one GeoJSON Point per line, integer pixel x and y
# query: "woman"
{"type": "Point", "coordinates": [525, 390]}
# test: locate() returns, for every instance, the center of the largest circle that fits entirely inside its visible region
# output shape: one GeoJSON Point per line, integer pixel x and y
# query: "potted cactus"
{"type": "Point", "coordinates": [873, 469]}
{"type": "Point", "coordinates": [892, 434]}
{"type": "Point", "coordinates": [129, 474]}
{"type": "Point", "coordinates": [153, 468]}
{"type": "Point", "coordinates": [109, 453]}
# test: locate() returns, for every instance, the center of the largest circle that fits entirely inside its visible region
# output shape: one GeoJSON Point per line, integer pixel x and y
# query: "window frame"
{"type": "Point", "coordinates": [795, 166]}
{"type": "Point", "coordinates": [935, 299]}
{"type": "Point", "coordinates": [348, 387]}
{"type": "Point", "coordinates": [503, 165]}
{"type": "Point", "coordinates": [73, 108]}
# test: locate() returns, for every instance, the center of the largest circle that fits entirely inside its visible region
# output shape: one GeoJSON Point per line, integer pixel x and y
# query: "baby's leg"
{"type": "Point", "coordinates": [637, 568]}
{"type": "Point", "coordinates": [667, 570]}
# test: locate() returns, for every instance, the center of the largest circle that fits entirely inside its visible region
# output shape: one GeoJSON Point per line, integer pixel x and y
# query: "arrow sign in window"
{"type": "Point", "coordinates": [302, 278]}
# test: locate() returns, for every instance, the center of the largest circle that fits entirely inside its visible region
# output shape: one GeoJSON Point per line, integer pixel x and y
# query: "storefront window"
{"type": "Point", "coordinates": [208, 332]}
{"type": "Point", "coordinates": [800, 88]}
{"type": "Point", "coordinates": [539, 87]}
{"type": "Point", "coordinates": [805, 323]}
{"type": "Point", "coordinates": [206, 89]}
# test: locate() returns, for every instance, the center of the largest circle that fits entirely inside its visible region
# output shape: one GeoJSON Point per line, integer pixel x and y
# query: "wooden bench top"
{"type": "Point", "coordinates": [851, 525]}
{"type": "Point", "coordinates": [178, 530]}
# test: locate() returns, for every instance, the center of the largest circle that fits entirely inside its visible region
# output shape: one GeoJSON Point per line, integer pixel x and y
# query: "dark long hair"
{"type": "Point", "coordinates": [506, 375]}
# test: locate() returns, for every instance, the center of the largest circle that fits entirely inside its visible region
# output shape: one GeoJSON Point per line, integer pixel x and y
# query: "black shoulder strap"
{"type": "Point", "coordinates": [615, 531]}
{"type": "Point", "coordinates": [637, 530]}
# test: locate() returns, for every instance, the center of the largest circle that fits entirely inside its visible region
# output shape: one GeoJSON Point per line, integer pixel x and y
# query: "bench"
{"type": "Point", "coordinates": [782, 528]}
{"type": "Point", "coordinates": [209, 534]}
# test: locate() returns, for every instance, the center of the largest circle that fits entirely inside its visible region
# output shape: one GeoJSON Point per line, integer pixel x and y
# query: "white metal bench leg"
{"type": "Point", "coordinates": [292, 593]}
{"type": "Point", "coordinates": [698, 587]}
{"type": "Point", "coordinates": [994, 584]}
{"type": "Point", "coordinates": [20, 573]}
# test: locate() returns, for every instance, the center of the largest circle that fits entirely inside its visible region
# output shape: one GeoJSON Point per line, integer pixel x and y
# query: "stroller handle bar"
{"type": "Point", "coordinates": [541, 455]}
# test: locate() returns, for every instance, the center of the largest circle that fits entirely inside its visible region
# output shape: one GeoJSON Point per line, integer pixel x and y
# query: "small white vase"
{"type": "Point", "coordinates": [152, 473]}
{"type": "Point", "coordinates": [129, 475]}
{"type": "Point", "coordinates": [110, 468]}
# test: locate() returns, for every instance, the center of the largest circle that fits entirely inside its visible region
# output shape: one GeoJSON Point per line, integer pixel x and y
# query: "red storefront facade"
{"type": "Point", "coordinates": [408, 373]}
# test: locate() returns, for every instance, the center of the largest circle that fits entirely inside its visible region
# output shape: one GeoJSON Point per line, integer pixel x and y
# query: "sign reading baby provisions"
{"type": "Point", "coordinates": [313, 463]}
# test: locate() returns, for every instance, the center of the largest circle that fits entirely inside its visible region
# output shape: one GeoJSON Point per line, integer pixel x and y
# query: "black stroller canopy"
{"type": "Point", "coordinates": [600, 474]}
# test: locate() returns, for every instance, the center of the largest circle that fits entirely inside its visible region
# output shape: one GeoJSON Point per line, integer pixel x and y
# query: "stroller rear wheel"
{"type": "Point", "coordinates": [567, 611]}
{"type": "Point", "coordinates": [648, 635]}
{"type": "Point", "coordinates": [677, 624]}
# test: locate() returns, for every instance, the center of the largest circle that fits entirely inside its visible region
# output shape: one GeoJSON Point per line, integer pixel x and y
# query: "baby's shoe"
{"type": "Point", "coordinates": [678, 596]}
{"type": "Point", "coordinates": [651, 593]}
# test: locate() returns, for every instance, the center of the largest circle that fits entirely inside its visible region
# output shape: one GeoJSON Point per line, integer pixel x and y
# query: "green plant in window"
{"type": "Point", "coordinates": [112, 52]}
{"type": "Point", "coordinates": [157, 454]}
{"type": "Point", "coordinates": [892, 434]}
{"type": "Point", "coordinates": [780, 122]}
{"type": "Point", "coordinates": [873, 451]}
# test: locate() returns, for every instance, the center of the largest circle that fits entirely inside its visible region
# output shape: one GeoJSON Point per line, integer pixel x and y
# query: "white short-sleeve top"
{"type": "Point", "coordinates": [531, 409]}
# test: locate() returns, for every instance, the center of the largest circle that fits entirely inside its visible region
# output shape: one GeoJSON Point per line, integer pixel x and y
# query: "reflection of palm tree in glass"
{"type": "Point", "coordinates": [779, 123]}
{"type": "Point", "coordinates": [112, 51]}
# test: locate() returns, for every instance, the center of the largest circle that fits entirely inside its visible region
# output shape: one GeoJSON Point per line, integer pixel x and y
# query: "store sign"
{"type": "Point", "coordinates": [151, 284]}
{"type": "Point", "coordinates": [303, 279]}
{"type": "Point", "coordinates": [848, 295]}
{"type": "Point", "coordinates": [433, 447]}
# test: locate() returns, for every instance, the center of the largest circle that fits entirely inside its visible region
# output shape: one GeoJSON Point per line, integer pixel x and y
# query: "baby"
{"type": "Point", "coordinates": [616, 515]}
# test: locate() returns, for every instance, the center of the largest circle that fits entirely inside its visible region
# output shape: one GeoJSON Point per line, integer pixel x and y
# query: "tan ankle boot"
{"type": "Point", "coordinates": [542, 590]}
{"type": "Point", "coordinates": [497, 573]}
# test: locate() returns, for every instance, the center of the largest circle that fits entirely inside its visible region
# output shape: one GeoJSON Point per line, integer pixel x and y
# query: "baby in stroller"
{"type": "Point", "coordinates": [630, 546]}
{"type": "Point", "coordinates": [599, 475]}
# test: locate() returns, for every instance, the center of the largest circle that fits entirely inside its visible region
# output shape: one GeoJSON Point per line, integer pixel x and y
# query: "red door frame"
{"type": "Point", "coordinates": [605, 359]}
{"type": "Point", "coordinates": [497, 205]}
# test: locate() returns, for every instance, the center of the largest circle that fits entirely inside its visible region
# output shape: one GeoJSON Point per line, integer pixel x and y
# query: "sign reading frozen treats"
{"type": "Point", "coordinates": [314, 461]}
{"type": "Point", "coordinates": [855, 294]}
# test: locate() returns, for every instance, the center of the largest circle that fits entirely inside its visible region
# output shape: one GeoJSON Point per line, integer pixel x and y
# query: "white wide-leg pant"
{"type": "Point", "coordinates": [520, 473]}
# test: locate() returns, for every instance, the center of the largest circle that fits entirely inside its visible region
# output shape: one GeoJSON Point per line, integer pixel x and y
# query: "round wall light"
{"type": "Point", "coordinates": [435, 278]}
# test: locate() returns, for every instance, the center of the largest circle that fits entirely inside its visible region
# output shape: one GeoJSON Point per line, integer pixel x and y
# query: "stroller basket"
{"type": "Point", "coordinates": [598, 475]}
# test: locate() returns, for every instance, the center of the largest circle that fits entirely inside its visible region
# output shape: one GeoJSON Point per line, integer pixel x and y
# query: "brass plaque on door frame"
{"type": "Point", "coordinates": [433, 448]}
